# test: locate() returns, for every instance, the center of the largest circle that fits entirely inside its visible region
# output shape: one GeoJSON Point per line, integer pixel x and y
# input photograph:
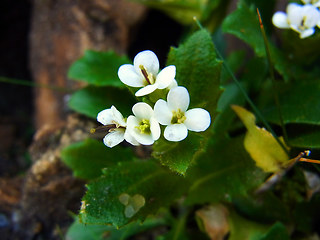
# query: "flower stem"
{"type": "Point", "coordinates": [31, 84]}
{"type": "Point", "coordinates": [274, 83]}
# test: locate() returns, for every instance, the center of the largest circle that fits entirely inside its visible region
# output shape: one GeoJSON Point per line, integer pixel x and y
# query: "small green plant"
{"type": "Point", "coordinates": [207, 174]}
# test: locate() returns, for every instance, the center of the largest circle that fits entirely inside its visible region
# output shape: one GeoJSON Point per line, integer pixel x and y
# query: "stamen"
{"type": "Point", "coordinates": [306, 153]}
{"type": "Point", "coordinates": [144, 126]}
{"type": "Point", "coordinates": [178, 117]}
{"type": "Point", "coordinates": [105, 128]}
{"type": "Point", "coordinates": [303, 21]}
{"type": "Point", "coordinates": [145, 74]}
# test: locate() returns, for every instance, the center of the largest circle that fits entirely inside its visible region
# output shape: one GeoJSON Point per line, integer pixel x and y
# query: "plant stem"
{"type": "Point", "coordinates": [31, 84]}
{"type": "Point", "coordinates": [244, 93]}
{"type": "Point", "coordinates": [274, 83]}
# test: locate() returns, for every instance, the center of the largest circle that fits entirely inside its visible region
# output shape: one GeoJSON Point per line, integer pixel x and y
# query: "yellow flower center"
{"type": "Point", "coordinates": [178, 117]}
{"type": "Point", "coordinates": [144, 126]}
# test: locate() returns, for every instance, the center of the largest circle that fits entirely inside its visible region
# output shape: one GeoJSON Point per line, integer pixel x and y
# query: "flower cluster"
{"type": "Point", "coordinates": [301, 18]}
{"type": "Point", "coordinates": [143, 127]}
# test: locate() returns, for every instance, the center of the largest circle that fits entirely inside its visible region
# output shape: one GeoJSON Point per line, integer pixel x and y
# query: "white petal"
{"type": "Point", "coordinates": [129, 76]}
{"type": "Point", "coordinates": [130, 139]}
{"type": "Point", "coordinates": [118, 117]}
{"type": "Point", "coordinates": [173, 84]}
{"type": "Point", "coordinates": [307, 33]}
{"type": "Point", "coordinates": [144, 139]}
{"type": "Point", "coordinates": [175, 132]}
{"type": "Point", "coordinates": [178, 98]}
{"type": "Point", "coordinates": [155, 129]}
{"type": "Point", "coordinates": [111, 116]}
{"type": "Point", "coordinates": [148, 60]}
{"type": "Point", "coordinates": [166, 76]}
{"type": "Point", "coordinates": [162, 112]}
{"type": "Point", "coordinates": [105, 117]}
{"type": "Point", "coordinates": [146, 90]}
{"type": "Point", "coordinates": [312, 16]}
{"type": "Point", "coordinates": [279, 19]}
{"type": "Point", "coordinates": [142, 110]}
{"type": "Point", "coordinates": [114, 138]}
{"type": "Point", "coordinates": [197, 119]}
{"type": "Point", "coordinates": [132, 124]}
{"type": "Point", "coordinates": [295, 14]}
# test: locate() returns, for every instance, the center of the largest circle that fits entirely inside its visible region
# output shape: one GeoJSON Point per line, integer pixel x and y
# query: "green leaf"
{"type": "Point", "coordinates": [244, 229]}
{"type": "Point", "coordinates": [91, 100]}
{"type": "Point", "coordinates": [199, 71]}
{"type": "Point", "coordinates": [80, 231]}
{"type": "Point", "coordinates": [244, 24]}
{"type": "Point", "coordinates": [151, 182]}
{"type": "Point", "coordinates": [266, 9]}
{"type": "Point", "coordinates": [88, 158]}
{"type": "Point", "coordinates": [231, 95]}
{"type": "Point", "coordinates": [302, 51]}
{"type": "Point", "coordinates": [235, 61]}
{"type": "Point", "coordinates": [266, 207]}
{"type": "Point", "coordinates": [299, 103]}
{"type": "Point", "coordinates": [178, 230]}
{"type": "Point", "coordinates": [184, 11]}
{"type": "Point", "coordinates": [98, 68]}
{"type": "Point", "coordinates": [277, 232]}
{"type": "Point", "coordinates": [255, 74]}
{"type": "Point", "coordinates": [224, 172]}
{"type": "Point", "coordinates": [303, 135]}
{"type": "Point", "coordinates": [179, 155]}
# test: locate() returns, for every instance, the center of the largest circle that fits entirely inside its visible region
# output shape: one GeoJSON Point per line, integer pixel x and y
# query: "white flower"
{"type": "Point", "coordinates": [116, 126]}
{"type": "Point", "coordinates": [300, 18]}
{"type": "Point", "coordinates": [174, 114]}
{"type": "Point", "coordinates": [315, 3]}
{"type": "Point", "coordinates": [145, 73]}
{"type": "Point", "coordinates": [143, 127]}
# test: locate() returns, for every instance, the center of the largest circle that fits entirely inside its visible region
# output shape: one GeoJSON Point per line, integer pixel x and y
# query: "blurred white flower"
{"type": "Point", "coordinates": [300, 18]}
{"type": "Point", "coordinates": [143, 127]}
{"type": "Point", "coordinates": [115, 125]}
{"type": "Point", "coordinates": [145, 73]}
{"type": "Point", "coordinates": [174, 114]}
{"type": "Point", "coordinates": [315, 3]}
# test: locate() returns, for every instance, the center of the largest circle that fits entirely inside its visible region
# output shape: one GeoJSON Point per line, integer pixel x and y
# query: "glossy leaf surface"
{"type": "Point", "coordinates": [102, 205]}
{"type": "Point", "coordinates": [88, 158]}
{"type": "Point", "coordinates": [98, 68]}
{"type": "Point", "coordinates": [225, 171]}
{"type": "Point", "coordinates": [91, 100]}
